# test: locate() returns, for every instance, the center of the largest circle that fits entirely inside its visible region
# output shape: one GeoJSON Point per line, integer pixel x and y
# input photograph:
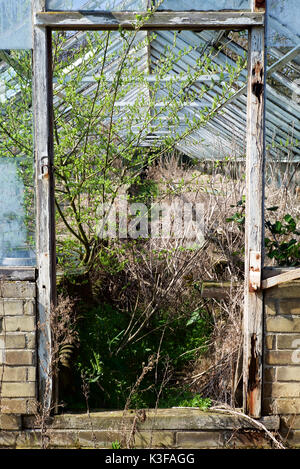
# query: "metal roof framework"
{"type": "Point", "coordinates": [282, 111]}
{"type": "Point", "coordinates": [282, 93]}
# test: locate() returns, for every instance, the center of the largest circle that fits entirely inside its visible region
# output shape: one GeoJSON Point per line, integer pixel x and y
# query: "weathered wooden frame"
{"type": "Point", "coordinates": [45, 209]}
{"type": "Point", "coordinates": [254, 21]}
{"type": "Point", "coordinates": [159, 20]}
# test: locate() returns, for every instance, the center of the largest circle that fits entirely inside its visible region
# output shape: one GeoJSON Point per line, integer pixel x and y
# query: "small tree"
{"type": "Point", "coordinates": [111, 101]}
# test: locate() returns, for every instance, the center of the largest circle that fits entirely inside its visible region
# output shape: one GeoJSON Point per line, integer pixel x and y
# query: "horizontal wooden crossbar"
{"type": "Point", "coordinates": [189, 20]}
{"type": "Point", "coordinates": [284, 277]}
{"type": "Point", "coordinates": [272, 277]}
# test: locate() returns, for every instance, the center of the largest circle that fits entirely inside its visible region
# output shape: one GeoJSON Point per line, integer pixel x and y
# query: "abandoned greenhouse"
{"type": "Point", "coordinates": [149, 224]}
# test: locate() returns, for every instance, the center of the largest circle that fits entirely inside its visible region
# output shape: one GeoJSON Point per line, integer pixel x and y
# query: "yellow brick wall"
{"type": "Point", "coordinates": [281, 388]}
{"type": "Point", "coordinates": [18, 387]}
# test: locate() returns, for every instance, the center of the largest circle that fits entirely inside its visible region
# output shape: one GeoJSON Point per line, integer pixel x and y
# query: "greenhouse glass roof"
{"type": "Point", "coordinates": [225, 134]}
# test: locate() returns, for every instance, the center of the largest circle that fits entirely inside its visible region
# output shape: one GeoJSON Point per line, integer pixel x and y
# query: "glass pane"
{"type": "Point", "coordinates": [282, 133]}
{"type": "Point", "coordinates": [140, 5]}
{"type": "Point", "coordinates": [100, 5]}
{"type": "Point", "coordinates": [15, 24]}
{"type": "Point", "coordinates": [283, 104]}
{"type": "Point", "coordinates": [283, 23]}
{"type": "Point", "coordinates": [283, 117]}
{"type": "Point", "coordinates": [17, 216]}
{"type": "Point", "coordinates": [205, 5]}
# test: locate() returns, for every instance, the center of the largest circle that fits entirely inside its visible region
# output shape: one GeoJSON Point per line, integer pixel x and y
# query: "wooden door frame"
{"type": "Point", "coordinates": [43, 24]}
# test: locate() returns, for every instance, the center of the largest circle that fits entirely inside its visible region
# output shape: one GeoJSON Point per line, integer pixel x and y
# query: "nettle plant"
{"type": "Point", "coordinates": [115, 112]}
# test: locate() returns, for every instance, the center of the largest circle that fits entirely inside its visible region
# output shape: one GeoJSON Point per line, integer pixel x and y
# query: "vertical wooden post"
{"type": "Point", "coordinates": [45, 212]}
{"type": "Point", "coordinates": [254, 247]}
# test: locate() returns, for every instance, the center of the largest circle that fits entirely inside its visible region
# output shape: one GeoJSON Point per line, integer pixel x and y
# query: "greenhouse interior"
{"type": "Point", "coordinates": [150, 223]}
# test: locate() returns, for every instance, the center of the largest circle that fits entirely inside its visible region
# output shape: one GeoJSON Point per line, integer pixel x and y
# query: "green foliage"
{"type": "Point", "coordinates": [280, 246]}
{"type": "Point", "coordinates": [284, 251]}
{"type": "Point", "coordinates": [116, 445]}
{"type": "Point", "coordinates": [97, 146]}
{"type": "Point", "coordinates": [185, 399]}
{"type": "Point", "coordinates": [100, 142]}
{"type": "Point", "coordinates": [112, 371]}
{"type": "Point", "coordinates": [239, 216]}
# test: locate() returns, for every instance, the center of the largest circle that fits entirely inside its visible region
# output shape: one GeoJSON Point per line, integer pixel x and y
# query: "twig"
{"type": "Point", "coordinates": [257, 424]}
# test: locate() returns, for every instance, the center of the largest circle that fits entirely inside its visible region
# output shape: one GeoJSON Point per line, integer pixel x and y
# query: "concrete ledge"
{"type": "Point", "coordinates": [18, 273]}
{"type": "Point", "coordinates": [101, 439]}
{"type": "Point", "coordinates": [160, 419]}
{"type": "Point", "coordinates": [176, 428]}
{"type": "Point", "coordinates": [17, 289]}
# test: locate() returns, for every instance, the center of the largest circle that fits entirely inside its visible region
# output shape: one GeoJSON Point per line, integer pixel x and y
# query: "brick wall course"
{"type": "Point", "coordinates": [281, 389]}
{"type": "Point", "coordinates": [17, 347]}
